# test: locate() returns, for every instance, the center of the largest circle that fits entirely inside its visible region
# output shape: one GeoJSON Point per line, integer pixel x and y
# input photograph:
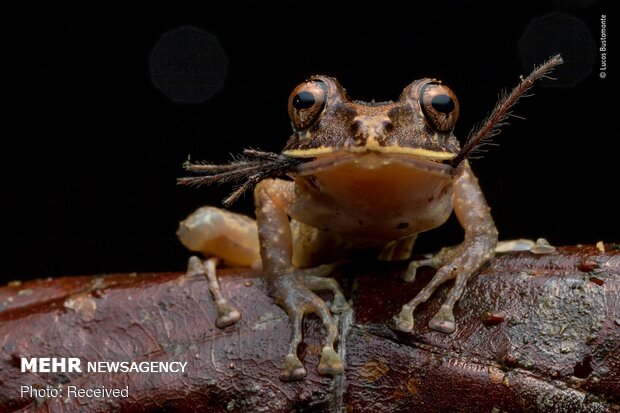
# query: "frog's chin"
{"type": "Point", "coordinates": [376, 160]}
{"type": "Point", "coordinates": [356, 194]}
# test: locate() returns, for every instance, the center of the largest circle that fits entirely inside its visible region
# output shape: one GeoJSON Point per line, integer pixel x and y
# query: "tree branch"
{"type": "Point", "coordinates": [535, 333]}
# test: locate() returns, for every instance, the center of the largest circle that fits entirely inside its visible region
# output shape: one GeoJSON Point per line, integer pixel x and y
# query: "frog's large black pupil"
{"type": "Point", "coordinates": [303, 100]}
{"type": "Point", "coordinates": [443, 104]}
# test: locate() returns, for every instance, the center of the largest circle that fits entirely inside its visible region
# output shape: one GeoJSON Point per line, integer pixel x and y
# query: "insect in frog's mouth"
{"type": "Point", "coordinates": [254, 166]}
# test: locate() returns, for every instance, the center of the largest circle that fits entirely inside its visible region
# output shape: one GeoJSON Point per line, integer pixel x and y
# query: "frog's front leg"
{"type": "Point", "coordinates": [291, 287]}
{"type": "Point", "coordinates": [459, 262]}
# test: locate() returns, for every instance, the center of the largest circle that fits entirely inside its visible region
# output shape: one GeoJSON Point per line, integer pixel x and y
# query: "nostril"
{"type": "Point", "coordinates": [356, 127]}
{"type": "Point", "coordinates": [387, 125]}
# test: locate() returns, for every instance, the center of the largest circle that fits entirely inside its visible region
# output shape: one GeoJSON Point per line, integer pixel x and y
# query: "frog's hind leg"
{"type": "Point", "coordinates": [221, 235]}
{"type": "Point", "coordinates": [398, 250]}
{"type": "Point", "coordinates": [227, 314]}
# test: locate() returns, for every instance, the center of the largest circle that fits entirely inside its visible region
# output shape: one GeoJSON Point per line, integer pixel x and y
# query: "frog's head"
{"type": "Point", "coordinates": [420, 123]}
{"type": "Point", "coordinates": [415, 131]}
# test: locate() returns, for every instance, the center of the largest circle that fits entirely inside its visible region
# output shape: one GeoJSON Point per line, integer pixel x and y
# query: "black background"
{"type": "Point", "coordinates": [91, 149]}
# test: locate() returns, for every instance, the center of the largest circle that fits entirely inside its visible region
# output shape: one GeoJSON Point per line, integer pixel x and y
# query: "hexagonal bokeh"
{"type": "Point", "coordinates": [188, 65]}
{"type": "Point", "coordinates": [556, 33]}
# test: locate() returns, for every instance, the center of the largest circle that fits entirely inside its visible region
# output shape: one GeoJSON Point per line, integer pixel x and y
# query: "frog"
{"type": "Point", "coordinates": [367, 177]}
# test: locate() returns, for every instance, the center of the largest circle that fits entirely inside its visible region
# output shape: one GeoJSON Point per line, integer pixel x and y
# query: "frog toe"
{"type": "Point", "coordinates": [403, 321]}
{"type": "Point", "coordinates": [410, 273]}
{"type": "Point", "coordinates": [330, 363]}
{"type": "Point", "coordinates": [227, 315]}
{"type": "Point", "coordinates": [293, 369]}
{"type": "Point", "coordinates": [443, 326]}
{"type": "Point", "coordinates": [443, 321]}
{"type": "Point", "coordinates": [339, 305]}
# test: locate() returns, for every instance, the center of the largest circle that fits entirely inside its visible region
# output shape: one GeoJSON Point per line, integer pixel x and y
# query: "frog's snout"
{"type": "Point", "coordinates": [371, 130]}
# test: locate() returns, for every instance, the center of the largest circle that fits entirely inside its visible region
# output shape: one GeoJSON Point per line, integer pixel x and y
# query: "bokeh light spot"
{"type": "Point", "coordinates": [556, 33]}
{"type": "Point", "coordinates": [188, 65]}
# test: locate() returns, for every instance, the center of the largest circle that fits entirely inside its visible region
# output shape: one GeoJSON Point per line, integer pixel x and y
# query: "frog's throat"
{"type": "Point", "coordinates": [324, 150]}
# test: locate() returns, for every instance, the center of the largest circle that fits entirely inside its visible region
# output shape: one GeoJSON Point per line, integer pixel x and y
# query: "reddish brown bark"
{"type": "Point", "coordinates": [535, 333]}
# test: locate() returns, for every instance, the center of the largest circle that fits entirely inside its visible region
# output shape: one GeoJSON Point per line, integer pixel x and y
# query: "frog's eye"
{"type": "Point", "coordinates": [307, 103]}
{"type": "Point", "coordinates": [439, 106]}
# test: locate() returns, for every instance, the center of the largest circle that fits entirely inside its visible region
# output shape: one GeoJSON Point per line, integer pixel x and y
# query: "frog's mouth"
{"type": "Point", "coordinates": [375, 160]}
{"type": "Point", "coordinates": [438, 156]}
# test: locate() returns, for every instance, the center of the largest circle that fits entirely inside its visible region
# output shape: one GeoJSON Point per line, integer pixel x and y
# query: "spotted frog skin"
{"type": "Point", "coordinates": [373, 176]}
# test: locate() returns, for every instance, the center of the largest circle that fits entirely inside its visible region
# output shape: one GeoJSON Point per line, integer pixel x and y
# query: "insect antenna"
{"type": "Point", "coordinates": [483, 132]}
{"type": "Point", "coordinates": [248, 169]}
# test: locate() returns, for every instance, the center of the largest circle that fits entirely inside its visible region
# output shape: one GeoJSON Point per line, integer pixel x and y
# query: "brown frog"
{"type": "Point", "coordinates": [365, 176]}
